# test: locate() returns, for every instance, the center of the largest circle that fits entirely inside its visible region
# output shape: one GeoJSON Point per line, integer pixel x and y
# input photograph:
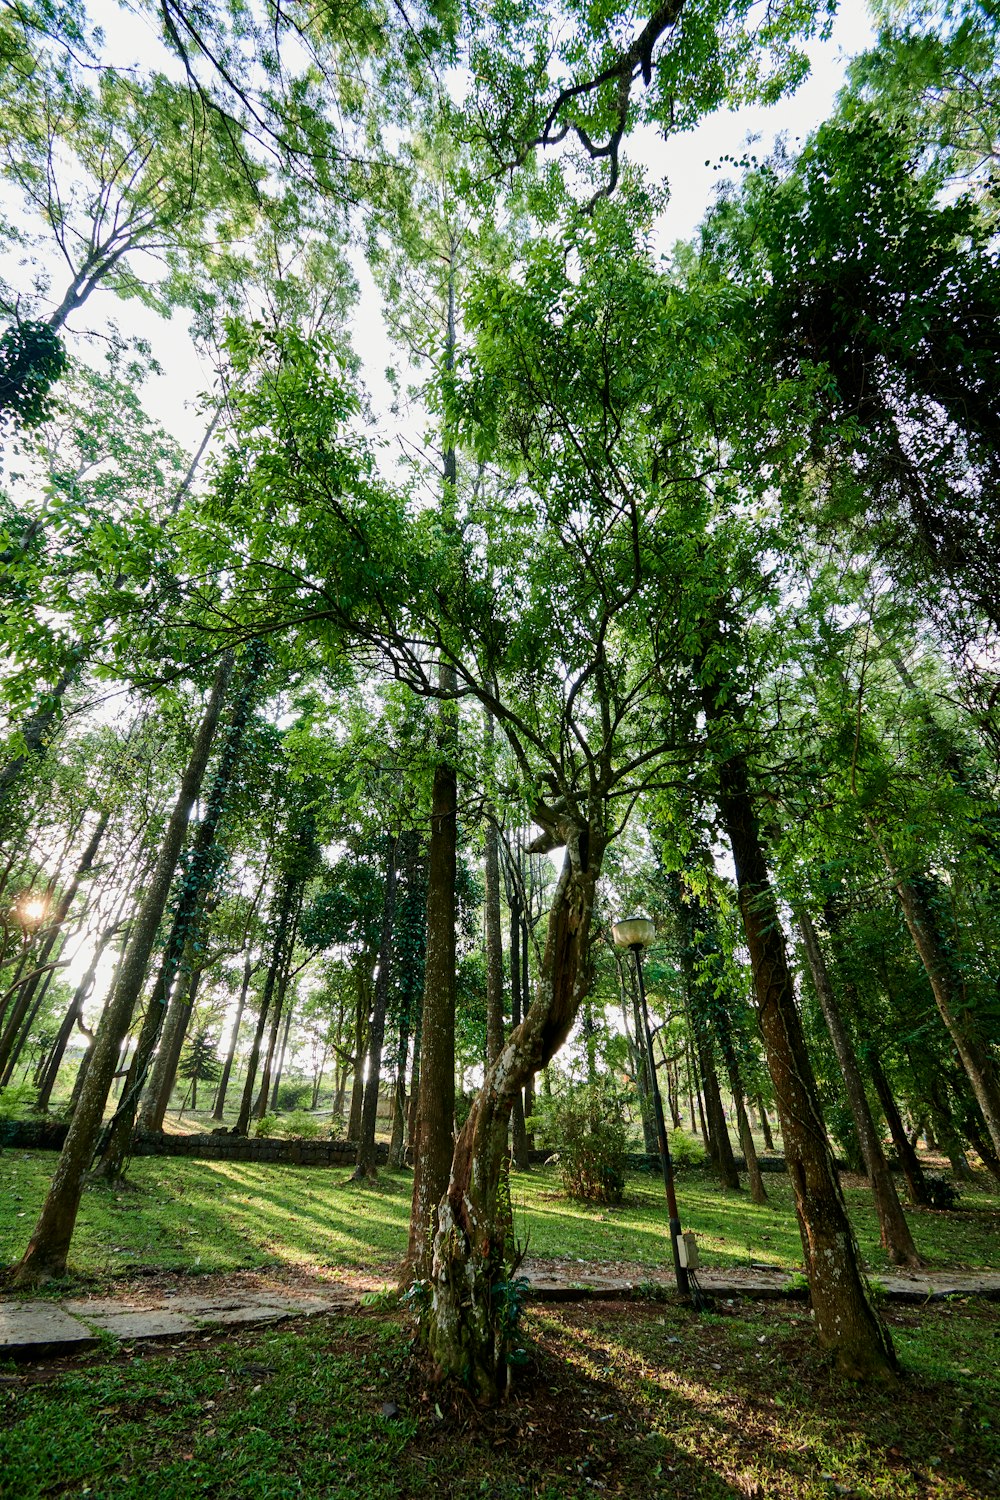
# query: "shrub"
{"type": "Point", "coordinates": [295, 1094]}
{"type": "Point", "coordinates": [941, 1193]}
{"type": "Point", "coordinates": [590, 1129]}
{"type": "Point", "coordinates": [266, 1125]}
{"type": "Point", "coordinates": [302, 1125]}
{"type": "Point", "coordinates": [686, 1150]}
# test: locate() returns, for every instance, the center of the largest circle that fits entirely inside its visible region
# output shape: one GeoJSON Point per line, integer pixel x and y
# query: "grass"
{"type": "Point", "coordinates": [630, 1399]}
{"type": "Point", "coordinates": [203, 1216]}
{"type": "Point", "coordinates": [616, 1399]}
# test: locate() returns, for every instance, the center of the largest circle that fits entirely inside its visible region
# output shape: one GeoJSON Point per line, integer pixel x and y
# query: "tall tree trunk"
{"type": "Point", "coordinates": [765, 1126]}
{"type": "Point", "coordinates": [757, 1190]}
{"type": "Point", "coordinates": [200, 876]}
{"type": "Point", "coordinates": [846, 1321]}
{"type": "Point", "coordinates": [365, 1166]}
{"type": "Point", "coordinates": [461, 1325]}
{"type": "Point", "coordinates": [432, 1147]}
{"type": "Point", "coordinates": [909, 1162]}
{"type": "Point", "coordinates": [218, 1113]}
{"type": "Point", "coordinates": [897, 1241]}
{"type": "Point", "coordinates": [281, 1056]}
{"type": "Point", "coordinates": [49, 1243]}
{"type": "Point", "coordinates": [974, 1053]}
{"type": "Point", "coordinates": [285, 902]}
{"type": "Point", "coordinates": [175, 1028]}
{"type": "Point", "coordinates": [50, 1070]}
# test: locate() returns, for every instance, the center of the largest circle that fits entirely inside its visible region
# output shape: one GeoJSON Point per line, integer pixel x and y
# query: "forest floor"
{"type": "Point", "coordinates": [613, 1398]}
{"type": "Point", "coordinates": [638, 1398]}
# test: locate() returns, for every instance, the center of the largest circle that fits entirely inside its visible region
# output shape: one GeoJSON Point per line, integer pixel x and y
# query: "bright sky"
{"type": "Point", "coordinates": [692, 163]}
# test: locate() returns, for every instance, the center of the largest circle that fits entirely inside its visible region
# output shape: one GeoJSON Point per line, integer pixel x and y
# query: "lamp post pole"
{"type": "Point", "coordinates": [636, 934]}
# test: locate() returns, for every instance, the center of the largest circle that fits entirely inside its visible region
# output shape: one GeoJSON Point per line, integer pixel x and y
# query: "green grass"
{"type": "Point", "coordinates": [635, 1400]}
{"type": "Point", "coordinates": [206, 1216]}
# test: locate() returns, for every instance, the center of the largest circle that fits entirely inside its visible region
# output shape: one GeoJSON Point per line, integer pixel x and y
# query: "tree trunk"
{"type": "Point", "coordinates": [218, 1113]}
{"type": "Point", "coordinates": [463, 1325]}
{"type": "Point", "coordinates": [765, 1126]}
{"type": "Point", "coordinates": [757, 1190]}
{"type": "Point", "coordinates": [50, 1071]}
{"type": "Point", "coordinates": [365, 1166]}
{"type": "Point", "coordinates": [49, 1244]}
{"type": "Point", "coordinates": [909, 1162]}
{"type": "Point", "coordinates": [281, 1056]}
{"type": "Point", "coordinates": [8, 1049]}
{"type": "Point", "coordinates": [432, 1146]}
{"type": "Point", "coordinates": [846, 1321]}
{"type": "Point", "coordinates": [285, 902]}
{"type": "Point", "coordinates": [947, 988]}
{"type": "Point", "coordinates": [897, 1241]}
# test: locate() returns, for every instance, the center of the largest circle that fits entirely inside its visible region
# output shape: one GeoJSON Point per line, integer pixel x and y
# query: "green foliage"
{"type": "Point", "coordinates": [294, 1095]}
{"type": "Point", "coordinates": [267, 1125]}
{"type": "Point", "coordinates": [32, 358]}
{"type": "Point", "coordinates": [590, 1128]}
{"type": "Point", "coordinates": [300, 1125]}
{"type": "Point", "coordinates": [16, 1100]}
{"type": "Point", "coordinates": [686, 1150]}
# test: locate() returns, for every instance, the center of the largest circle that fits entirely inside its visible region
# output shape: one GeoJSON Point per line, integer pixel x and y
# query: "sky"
{"type": "Point", "coordinates": [692, 163]}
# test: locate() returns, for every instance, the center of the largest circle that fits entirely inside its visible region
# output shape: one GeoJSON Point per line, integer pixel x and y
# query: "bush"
{"type": "Point", "coordinates": [941, 1193]}
{"type": "Point", "coordinates": [266, 1125]}
{"type": "Point", "coordinates": [302, 1125]}
{"type": "Point", "coordinates": [686, 1150]}
{"type": "Point", "coordinates": [589, 1126]}
{"type": "Point", "coordinates": [295, 1095]}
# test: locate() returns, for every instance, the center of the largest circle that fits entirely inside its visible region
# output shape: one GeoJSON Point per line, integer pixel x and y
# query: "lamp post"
{"type": "Point", "coordinates": [637, 933]}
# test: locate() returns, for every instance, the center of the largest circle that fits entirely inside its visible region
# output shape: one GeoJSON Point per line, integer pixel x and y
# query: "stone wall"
{"type": "Point", "coordinates": [48, 1135]}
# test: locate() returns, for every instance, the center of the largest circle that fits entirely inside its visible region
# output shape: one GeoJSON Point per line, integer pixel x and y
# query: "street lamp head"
{"type": "Point", "coordinates": [633, 932]}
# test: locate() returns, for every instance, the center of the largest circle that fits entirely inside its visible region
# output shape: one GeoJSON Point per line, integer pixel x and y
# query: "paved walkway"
{"type": "Point", "coordinates": [36, 1328]}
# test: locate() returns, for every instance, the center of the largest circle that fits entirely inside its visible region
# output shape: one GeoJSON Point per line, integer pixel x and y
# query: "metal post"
{"type": "Point", "coordinates": [680, 1272]}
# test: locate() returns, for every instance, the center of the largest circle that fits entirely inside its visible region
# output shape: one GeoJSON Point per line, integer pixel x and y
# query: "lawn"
{"type": "Point", "coordinates": [202, 1216]}
{"type": "Point", "coordinates": [616, 1399]}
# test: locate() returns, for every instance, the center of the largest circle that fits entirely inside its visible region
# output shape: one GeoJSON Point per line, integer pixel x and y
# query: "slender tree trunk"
{"type": "Point", "coordinates": [765, 1126]}
{"type": "Point", "coordinates": [49, 1244]}
{"type": "Point", "coordinates": [846, 1321]}
{"type": "Point", "coordinates": [175, 1028]}
{"type": "Point", "coordinates": [909, 1162]}
{"type": "Point", "coordinates": [53, 1062]}
{"type": "Point", "coordinates": [27, 991]}
{"type": "Point", "coordinates": [757, 1190]}
{"type": "Point", "coordinates": [897, 1241]}
{"type": "Point", "coordinates": [281, 1056]}
{"type": "Point", "coordinates": [285, 903]}
{"type": "Point", "coordinates": [365, 1167]}
{"type": "Point", "coordinates": [218, 1113]}
{"type": "Point", "coordinates": [951, 1002]}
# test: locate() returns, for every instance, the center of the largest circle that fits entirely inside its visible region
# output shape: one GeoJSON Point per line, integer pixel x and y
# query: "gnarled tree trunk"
{"type": "Point", "coordinates": [465, 1325]}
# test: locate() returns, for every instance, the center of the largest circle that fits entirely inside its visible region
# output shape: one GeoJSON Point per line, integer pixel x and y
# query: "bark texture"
{"type": "Point", "coordinates": [846, 1321]}
{"type": "Point", "coordinates": [467, 1323]}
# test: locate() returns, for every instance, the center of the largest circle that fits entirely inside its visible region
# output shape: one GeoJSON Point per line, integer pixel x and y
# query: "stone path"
{"type": "Point", "coordinates": [35, 1328]}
